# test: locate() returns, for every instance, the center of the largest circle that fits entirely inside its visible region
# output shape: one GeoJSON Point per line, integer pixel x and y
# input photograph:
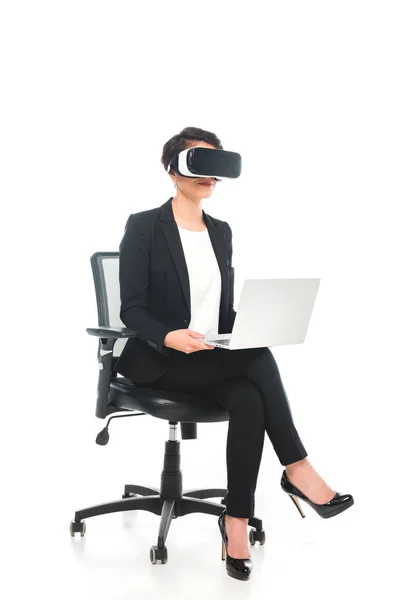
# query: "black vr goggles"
{"type": "Point", "coordinates": [207, 162]}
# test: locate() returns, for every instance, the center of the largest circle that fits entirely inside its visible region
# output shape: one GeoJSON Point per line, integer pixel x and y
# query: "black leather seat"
{"type": "Point", "coordinates": [175, 406]}
{"type": "Point", "coordinates": [118, 394]}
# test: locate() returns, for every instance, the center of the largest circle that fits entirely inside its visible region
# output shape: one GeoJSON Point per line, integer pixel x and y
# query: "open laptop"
{"type": "Point", "coordinates": [271, 312]}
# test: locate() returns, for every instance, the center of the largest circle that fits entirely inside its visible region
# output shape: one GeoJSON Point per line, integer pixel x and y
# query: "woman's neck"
{"type": "Point", "coordinates": [188, 214]}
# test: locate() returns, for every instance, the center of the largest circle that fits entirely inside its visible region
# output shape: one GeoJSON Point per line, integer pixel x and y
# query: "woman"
{"type": "Point", "coordinates": [175, 262]}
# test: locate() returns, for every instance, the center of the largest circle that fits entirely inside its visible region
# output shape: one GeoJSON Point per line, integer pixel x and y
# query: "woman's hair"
{"type": "Point", "coordinates": [184, 139]}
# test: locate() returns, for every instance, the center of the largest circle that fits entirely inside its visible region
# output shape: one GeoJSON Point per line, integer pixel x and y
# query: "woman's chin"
{"type": "Point", "coordinates": [205, 192]}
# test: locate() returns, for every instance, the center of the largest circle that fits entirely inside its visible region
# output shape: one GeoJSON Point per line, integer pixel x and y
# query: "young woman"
{"type": "Point", "coordinates": [176, 282]}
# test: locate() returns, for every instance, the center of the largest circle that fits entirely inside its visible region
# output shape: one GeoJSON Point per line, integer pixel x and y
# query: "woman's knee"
{"type": "Point", "coordinates": [263, 361]}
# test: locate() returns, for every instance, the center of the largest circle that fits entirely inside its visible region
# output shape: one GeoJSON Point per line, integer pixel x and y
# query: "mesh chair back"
{"type": "Point", "coordinates": [105, 268]}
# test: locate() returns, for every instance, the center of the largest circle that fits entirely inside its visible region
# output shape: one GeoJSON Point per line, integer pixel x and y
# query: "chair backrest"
{"type": "Point", "coordinates": [105, 268]}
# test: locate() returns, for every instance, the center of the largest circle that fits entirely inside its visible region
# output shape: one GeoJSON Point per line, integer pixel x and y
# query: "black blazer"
{"type": "Point", "coordinates": [154, 287]}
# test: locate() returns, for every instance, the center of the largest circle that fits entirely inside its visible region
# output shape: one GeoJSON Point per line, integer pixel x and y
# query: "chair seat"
{"type": "Point", "coordinates": [191, 407]}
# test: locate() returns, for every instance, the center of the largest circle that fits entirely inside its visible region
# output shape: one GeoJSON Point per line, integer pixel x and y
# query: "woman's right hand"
{"type": "Point", "coordinates": [182, 340]}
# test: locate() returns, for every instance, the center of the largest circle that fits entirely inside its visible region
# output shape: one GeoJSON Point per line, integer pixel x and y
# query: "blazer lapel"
{"type": "Point", "coordinates": [221, 253]}
{"type": "Point", "coordinates": [173, 238]}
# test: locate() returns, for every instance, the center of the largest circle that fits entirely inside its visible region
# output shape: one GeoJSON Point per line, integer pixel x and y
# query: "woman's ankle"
{"type": "Point", "coordinates": [299, 464]}
{"type": "Point", "coordinates": [229, 518]}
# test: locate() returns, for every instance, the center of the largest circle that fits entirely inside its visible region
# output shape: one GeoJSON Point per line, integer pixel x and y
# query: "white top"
{"type": "Point", "coordinates": [204, 280]}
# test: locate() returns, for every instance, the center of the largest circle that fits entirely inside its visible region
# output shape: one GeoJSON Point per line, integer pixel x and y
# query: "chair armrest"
{"type": "Point", "coordinates": [107, 338]}
{"type": "Point", "coordinates": [114, 333]}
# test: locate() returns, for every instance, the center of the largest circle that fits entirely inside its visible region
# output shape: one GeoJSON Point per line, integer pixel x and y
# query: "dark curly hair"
{"type": "Point", "coordinates": [183, 140]}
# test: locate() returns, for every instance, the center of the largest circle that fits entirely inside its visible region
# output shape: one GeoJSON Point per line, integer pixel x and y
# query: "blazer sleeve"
{"type": "Point", "coordinates": [134, 272]}
{"type": "Point", "coordinates": [231, 281]}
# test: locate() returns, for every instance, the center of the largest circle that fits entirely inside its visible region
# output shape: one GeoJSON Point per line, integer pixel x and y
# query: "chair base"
{"type": "Point", "coordinates": [169, 502]}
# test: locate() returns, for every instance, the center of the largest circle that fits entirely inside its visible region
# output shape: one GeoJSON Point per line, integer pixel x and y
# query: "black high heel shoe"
{"type": "Point", "coordinates": [336, 505]}
{"type": "Point", "coordinates": [239, 568]}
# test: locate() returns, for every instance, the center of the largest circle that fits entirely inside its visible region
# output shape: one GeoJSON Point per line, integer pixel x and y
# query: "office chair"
{"type": "Point", "coordinates": [116, 393]}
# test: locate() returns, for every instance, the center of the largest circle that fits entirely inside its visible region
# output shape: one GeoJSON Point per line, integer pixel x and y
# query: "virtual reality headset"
{"type": "Point", "coordinates": [207, 162]}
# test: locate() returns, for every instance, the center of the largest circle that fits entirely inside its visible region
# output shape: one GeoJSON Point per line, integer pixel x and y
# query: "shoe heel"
{"type": "Point", "coordinates": [223, 551]}
{"type": "Point", "coordinates": [298, 506]}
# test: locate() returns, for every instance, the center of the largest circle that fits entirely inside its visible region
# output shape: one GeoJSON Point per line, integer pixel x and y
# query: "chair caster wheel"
{"type": "Point", "coordinates": [157, 554]}
{"type": "Point", "coordinates": [257, 536]}
{"type": "Point", "coordinates": [77, 527]}
{"type": "Point", "coordinates": [129, 495]}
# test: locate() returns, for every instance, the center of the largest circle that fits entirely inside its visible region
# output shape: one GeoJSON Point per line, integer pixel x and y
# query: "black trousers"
{"type": "Point", "coordinates": [247, 384]}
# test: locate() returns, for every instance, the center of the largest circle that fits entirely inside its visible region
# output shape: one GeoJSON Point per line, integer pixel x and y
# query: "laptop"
{"type": "Point", "coordinates": [271, 312]}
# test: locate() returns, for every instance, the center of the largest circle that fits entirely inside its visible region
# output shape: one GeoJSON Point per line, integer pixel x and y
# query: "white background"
{"type": "Point", "coordinates": [308, 94]}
